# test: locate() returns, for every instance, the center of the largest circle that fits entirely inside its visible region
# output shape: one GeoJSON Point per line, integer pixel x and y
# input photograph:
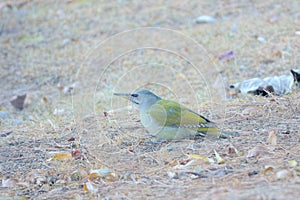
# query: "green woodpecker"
{"type": "Point", "coordinates": [168, 120]}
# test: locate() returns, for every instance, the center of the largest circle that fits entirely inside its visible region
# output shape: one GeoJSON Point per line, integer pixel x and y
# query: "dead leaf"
{"type": "Point", "coordinates": [31, 38]}
{"type": "Point", "coordinates": [272, 138]}
{"type": "Point", "coordinates": [282, 174]}
{"type": "Point", "coordinates": [101, 173]}
{"type": "Point", "coordinates": [67, 90]}
{"type": "Point", "coordinates": [293, 163]}
{"type": "Point", "coordinates": [77, 154]}
{"type": "Point", "coordinates": [6, 41]}
{"type": "Point", "coordinates": [90, 187]}
{"type": "Point", "coordinates": [256, 151]}
{"type": "Point", "coordinates": [130, 149]}
{"type": "Point", "coordinates": [45, 100]}
{"type": "Point", "coordinates": [184, 163]}
{"type": "Point", "coordinates": [232, 150]}
{"type": "Point", "coordinates": [71, 139]}
{"type": "Point", "coordinates": [269, 169]}
{"type": "Point", "coordinates": [278, 53]}
{"type": "Point", "coordinates": [220, 160]}
{"type": "Point", "coordinates": [18, 102]}
{"type": "Point", "coordinates": [61, 156]}
{"type": "Point", "coordinates": [200, 157]}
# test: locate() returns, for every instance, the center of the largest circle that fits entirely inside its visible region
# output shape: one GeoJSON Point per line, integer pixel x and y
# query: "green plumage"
{"type": "Point", "coordinates": [171, 114]}
{"type": "Point", "coordinates": [168, 120]}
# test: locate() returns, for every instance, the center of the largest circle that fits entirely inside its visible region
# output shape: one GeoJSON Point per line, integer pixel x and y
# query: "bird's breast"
{"type": "Point", "coordinates": [150, 124]}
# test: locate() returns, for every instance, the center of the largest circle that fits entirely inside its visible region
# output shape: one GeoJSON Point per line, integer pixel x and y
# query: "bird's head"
{"type": "Point", "coordinates": [142, 99]}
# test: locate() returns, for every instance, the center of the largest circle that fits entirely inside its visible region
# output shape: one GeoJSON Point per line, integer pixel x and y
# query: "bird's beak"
{"type": "Point", "coordinates": [124, 95]}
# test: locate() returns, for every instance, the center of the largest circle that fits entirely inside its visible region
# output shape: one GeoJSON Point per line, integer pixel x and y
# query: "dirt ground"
{"type": "Point", "coordinates": [74, 140]}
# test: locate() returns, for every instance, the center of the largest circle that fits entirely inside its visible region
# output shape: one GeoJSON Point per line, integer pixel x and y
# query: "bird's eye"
{"type": "Point", "coordinates": [134, 95]}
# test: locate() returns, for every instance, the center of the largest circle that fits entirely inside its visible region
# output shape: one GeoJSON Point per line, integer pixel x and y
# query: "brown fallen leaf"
{"type": "Point", "coordinates": [18, 102]}
{"type": "Point", "coordinates": [68, 89]}
{"type": "Point", "coordinates": [269, 169]}
{"type": "Point", "coordinates": [61, 156]}
{"type": "Point", "coordinates": [45, 100]}
{"type": "Point", "coordinates": [272, 138]}
{"type": "Point", "coordinates": [256, 151]}
{"type": "Point", "coordinates": [102, 173]}
{"type": "Point", "coordinates": [130, 149]}
{"type": "Point", "coordinates": [90, 187]}
{"type": "Point", "coordinates": [278, 53]}
{"type": "Point", "coordinates": [232, 150]}
{"type": "Point", "coordinates": [77, 154]}
{"type": "Point", "coordinates": [71, 139]}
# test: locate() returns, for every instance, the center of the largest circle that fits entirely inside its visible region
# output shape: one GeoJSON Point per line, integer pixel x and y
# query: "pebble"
{"type": "Point", "coordinates": [205, 19]}
{"type": "Point", "coordinates": [3, 114]}
{"type": "Point", "coordinates": [261, 40]}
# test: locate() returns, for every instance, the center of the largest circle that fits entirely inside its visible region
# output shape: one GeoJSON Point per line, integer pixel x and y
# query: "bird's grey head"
{"type": "Point", "coordinates": [142, 99]}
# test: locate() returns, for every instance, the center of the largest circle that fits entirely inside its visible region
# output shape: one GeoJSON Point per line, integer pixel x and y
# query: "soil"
{"type": "Point", "coordinates": [73, 139]}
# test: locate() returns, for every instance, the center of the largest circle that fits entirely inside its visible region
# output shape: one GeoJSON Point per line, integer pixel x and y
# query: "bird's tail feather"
{"type": "Point", "coordinates": [214, 131]}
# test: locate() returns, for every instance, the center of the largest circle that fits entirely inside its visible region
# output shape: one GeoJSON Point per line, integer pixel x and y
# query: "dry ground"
{"type": "Point", "coordinates": [69, 56]}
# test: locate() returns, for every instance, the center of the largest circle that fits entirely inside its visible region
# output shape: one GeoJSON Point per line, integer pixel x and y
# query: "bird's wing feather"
{"type": "Point", "coordinates": [170, 113]}
{"type": "Point", "coordinates": [166, 113]}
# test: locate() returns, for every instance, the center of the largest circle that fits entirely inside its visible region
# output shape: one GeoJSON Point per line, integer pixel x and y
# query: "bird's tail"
{"type": "Point", "coordinates": [214, 131]}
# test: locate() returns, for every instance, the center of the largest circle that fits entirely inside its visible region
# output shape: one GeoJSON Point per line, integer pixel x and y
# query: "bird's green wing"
{"type": "Point", "coordinates": [166, 113]}
{"type": "Point", "coordinates": [170, 113]}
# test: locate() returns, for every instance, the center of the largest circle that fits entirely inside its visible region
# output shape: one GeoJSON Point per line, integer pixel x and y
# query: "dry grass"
{"type": "Point", "coordinates": [75, 44]}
